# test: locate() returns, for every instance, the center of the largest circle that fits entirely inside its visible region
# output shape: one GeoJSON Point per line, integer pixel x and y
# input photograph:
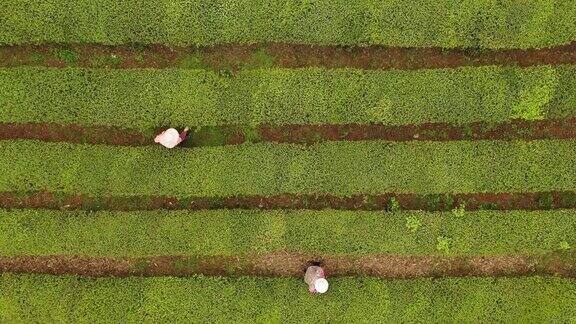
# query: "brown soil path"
{"type": "Point", "coordinates": [386, 201]}
{"type": "Point", "coordinates": [232, 57]}
{"type": "Point", "coordinates": [286, 264]}
{"type": "Point", "coordinates": [51, 132]}
{"type": "Point", "coordinates": [298, 134]}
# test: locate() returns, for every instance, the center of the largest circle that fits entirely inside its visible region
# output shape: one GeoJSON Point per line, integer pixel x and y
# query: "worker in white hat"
{"type": "Point", "coordinates": [170, 137]}
{"type": "Point", "coordinates": [316, 280]}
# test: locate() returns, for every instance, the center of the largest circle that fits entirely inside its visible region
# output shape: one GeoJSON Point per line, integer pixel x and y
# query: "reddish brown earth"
{"type": "Point", "coordinates": [299, 134]}
{"type": "Point", "coordinates": [515, 129]}
{"type": "Point", "coordinates": [50, 132]}
{"type": "Point", "coordinates": [286, 264]}
{"type": "Point", "coordinates": [386, 201]}
{"type": "Point", "coordinates": [233, 57]}
{"type": "Point", "coordinates": [378, 57]}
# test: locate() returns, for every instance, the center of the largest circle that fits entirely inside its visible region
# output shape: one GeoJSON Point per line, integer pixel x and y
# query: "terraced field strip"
{"type": "Point", "coordinates": [441, 23]}
{"type": "Point", "coordinates": [148, 99]}
{"type": "Point", "coordinates": [29, 298]}
{"type": "Point", "coordinates": [432, 202]}
{"type": "Point", "coordinates": [297, 134]}
{"type": "Point", "coordinates": [332, 168]}
{"type": "Point", "coordinates": [234, 57]}
{"type": "Point", "coordinates": [294, 265]}
{"type": "Point", "coordinates": [327, 232]}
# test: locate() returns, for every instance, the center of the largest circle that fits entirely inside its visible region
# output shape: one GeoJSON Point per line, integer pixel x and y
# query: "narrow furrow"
{"type": "Point", "coordinates": [387, 201]}
{"type": "Point", "coordinates": [286, 264]}
{"type": "Point", "coordinates": [298, 134]}
{"type": "Point", "coordinates": [233, 57]}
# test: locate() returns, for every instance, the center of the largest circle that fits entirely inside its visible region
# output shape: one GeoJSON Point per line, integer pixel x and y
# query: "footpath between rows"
{"type": "Point", "coordinates": [550, 200]}
{"type": "Point", "coordinates": [297, 134]}
{"type": "Point", "coordinates": [287, 264]}
{"type": "Point", "coordinates": [232, 57]}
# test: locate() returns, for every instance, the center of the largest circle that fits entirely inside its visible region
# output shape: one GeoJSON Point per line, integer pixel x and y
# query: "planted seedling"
{"type": "Point", "coordinates": [394, 205]}
{"type": "Point", "coordinates": [66, 55]}
{"type": "Point", "coordinates": [546, 201]}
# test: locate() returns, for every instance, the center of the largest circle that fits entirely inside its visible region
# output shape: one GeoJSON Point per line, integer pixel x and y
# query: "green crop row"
{"type": "Point", "coordinates": [232, 232]}
{"type": "Point", "coordinates": [447, 23]}
{"type": "Point", "coordinates": [339, 168]}
{"type": "Point", "coordinates": [35, 298]}
{"type": "Point", "coordinates": [148, 99]}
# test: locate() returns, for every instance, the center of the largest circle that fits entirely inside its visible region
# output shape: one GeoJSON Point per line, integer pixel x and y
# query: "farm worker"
{"type": "Point", "coordinates": [315, 279]}
{"type": "Point", "coordinates": [170, 137]}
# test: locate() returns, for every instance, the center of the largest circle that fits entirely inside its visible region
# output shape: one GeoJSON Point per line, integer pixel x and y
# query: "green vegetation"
{"type": "Point", "coordinates": [394, 205]}
{"type": "Point", "coordinates": [66, 55]}
{"type": "Point", "coordinates": [148, 99]}
{"type": "Point", "coordinates": [443, 244]}
{"type": "Point", "coordinates": [413, 223]}
{"type": "Point", "coordinates": [340, 168]}
{"type": "Point", "coordinates": [536, 94]}
{"type": "Point", "coordinates": [30, 298]}
{"type": "Point", "coordinates": [232, 232]}
{"type": "Point", "coordinates": [446, 23]}
{"type": "Point", "coordinates": [210, 87]}
{"type": "Point", "coordinates": [564, 246]}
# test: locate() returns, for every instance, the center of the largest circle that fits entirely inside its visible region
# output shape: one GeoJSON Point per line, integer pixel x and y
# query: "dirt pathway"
{"type": "Point", "coordinates": [386, 201]}
{"type": "Point", "coordinates": [298, 134]}
{"type": "Point", "coordinates": [230, 58]}
{"type": "Point", "coordinates": [286, 264]}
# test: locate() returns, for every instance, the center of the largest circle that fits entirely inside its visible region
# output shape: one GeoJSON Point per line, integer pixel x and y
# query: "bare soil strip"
{"type": "Point", "coordinates": [298, 134]}
{"type": "Point", "coordinates": [232, 57]}
{"type": "Point", "coordinates": [515, 129]}
{"type": "Point", "coordinates": [50, 132]}
{"type": "Point", "coordinates": [286, 264]}
{"type": "Point", "coordinates": [386, 201]}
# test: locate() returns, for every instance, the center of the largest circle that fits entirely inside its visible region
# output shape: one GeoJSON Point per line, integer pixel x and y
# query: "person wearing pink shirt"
{"type": "Point", "coordinates": [316, 280]}
{"type": "Point", "coordinates": [170, 138]}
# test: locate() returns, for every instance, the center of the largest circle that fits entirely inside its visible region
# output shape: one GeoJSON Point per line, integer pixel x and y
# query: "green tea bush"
{"type": "Point", "coordinates": [564, 246]}
{"type": "Point", "coordinates": [537, 90]}
{"type": "Point", "coordinates": [443, 244]}
{"type": "Point", "coordinates": [234, 232]}
{"type": "Point", "coordinates": [148, 99]}
{"type": "Point", "coordinates": [31, 298]}
{"type": "Point", "coordinates": [394, 205]}
{"type": "Point", "coordinates": [413, 223]}
{"type": "Point", "coordinates": [446, 23]}
{"type": "Point", "coordinates": [459, 211]}
{"type": "Point", "coordinates": [339, 168]}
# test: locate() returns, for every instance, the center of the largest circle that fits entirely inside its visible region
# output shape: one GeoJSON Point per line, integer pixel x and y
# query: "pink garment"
{"type": "Point", "coordinates": [313, 273]}
{"type": "Point", "coordinates": [171, 138]}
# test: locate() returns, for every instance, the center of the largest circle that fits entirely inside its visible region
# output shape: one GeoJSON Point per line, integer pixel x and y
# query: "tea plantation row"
{"type": "Point", "coordinates": [445, 23]}
{"type": "Point", "coordinates": [329, 232]}
{"type": "Point", "coordinates": [73, 299]}
{"type": "Point", "coordinates": [339, 168]}
{"type": "Point", "coordinates": [151, 98]}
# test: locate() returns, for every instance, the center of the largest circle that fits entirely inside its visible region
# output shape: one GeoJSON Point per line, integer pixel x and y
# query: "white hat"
{"type": "Point", "coordinates": [321, 285]}
{"type": "Point", "coordinates": [169, 138]}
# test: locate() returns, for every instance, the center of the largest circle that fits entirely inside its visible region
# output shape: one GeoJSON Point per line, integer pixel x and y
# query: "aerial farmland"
{"type": "Point", "coordinates": [187, 161]}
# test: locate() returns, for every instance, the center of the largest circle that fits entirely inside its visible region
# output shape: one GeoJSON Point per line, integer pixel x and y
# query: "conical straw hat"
{"type": "Point", "coordinates": [321, 285]}
{"type": "Point", "coordinates": [169, 138]}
